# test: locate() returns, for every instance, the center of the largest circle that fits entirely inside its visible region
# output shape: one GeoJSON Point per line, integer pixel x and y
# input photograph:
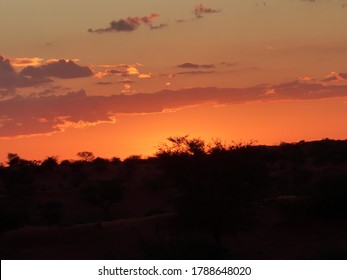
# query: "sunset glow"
{"type": "Point", "coordinates": [120, 77]}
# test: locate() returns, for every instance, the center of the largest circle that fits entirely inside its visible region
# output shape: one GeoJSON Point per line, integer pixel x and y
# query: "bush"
{"type": "Point", "coordinates": [103, 194]}
{"type": "Point", "coordinates": [52, 212]}
{"type": "Point", "coordinates": [329, 195]}
{"type": "Point", "coordinates": [13, 215]}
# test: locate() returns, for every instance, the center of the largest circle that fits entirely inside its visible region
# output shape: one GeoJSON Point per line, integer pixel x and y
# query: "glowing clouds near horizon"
{"type": "Point", "coordinates": [75, 109]}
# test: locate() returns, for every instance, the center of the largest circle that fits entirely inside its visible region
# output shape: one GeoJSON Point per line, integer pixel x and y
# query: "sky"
{"type": "Point", "coordinates": [118, 77]}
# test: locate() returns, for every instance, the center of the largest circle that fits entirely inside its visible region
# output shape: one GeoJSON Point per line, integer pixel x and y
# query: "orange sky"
{"type": "Point", "coordinates": [119, 78]}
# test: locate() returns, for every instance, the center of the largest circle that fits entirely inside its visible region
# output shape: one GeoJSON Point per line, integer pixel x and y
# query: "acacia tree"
{"type": "Point", "coordinates": [86, 156]}
{"type": "Point", "coordinates": [182, 145]}
{"type": "Point", "coordinates": [15, 160]}
{"type": "Point", "coordinates": [216, 182]}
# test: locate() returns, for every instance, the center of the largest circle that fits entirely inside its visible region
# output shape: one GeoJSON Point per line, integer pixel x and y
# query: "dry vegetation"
{"type": "Point", "coordinates": [193, 200]}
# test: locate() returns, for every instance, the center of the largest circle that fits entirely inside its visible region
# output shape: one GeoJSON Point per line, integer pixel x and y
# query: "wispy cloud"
{"type": "Point", "coordinates": [191, 73]}
{"type": "Point", "coordinates": [160, 26]}
{"type": "Point", "coordinates": [334, 76]}
{"type": "Point", "coordinates": [7, 93]}
{"type": "Point", "coordinates": [194, 66]}
{"type": "Point", "coordinates": [122, 70]}
{"type": "Point", "coordinates": [129, 24]}
{"type": "Point", "coordinates": [104, 83]}
{"type": "Point", "coordinates": [126, 81]}
{"type": "Point", "coordinates": [200, 10]}
{"type": "Point", "coordinates": [229, 64]}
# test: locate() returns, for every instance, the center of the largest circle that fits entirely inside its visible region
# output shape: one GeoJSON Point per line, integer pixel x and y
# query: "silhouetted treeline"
{"type": "Point", "coordinates": [212, 187]}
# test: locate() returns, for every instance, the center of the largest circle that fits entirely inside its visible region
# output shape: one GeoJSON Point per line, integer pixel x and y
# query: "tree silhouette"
{"type": "Point", "coordinates": [182, 145]}
{"type": "Point", "coordinates": [103, 194]}
{"type": "Point", "coordinates": [50, 162]}
{"type": "Point", "coordinates": [15, 160]}
{"type": "Point", "coordinates": [86, 156]}
{"type": "Point", "coordinates": [217, 182]}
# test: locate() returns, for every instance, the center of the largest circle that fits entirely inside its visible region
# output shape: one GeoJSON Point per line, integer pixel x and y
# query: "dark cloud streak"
{"type": "Point", "coordinates": [63, 69]}
{"type": "Point", "coordinates": [128, 24]}
{"type": "Point", "coordinates": [160, 26]}
{"type": "Point", "coordinates": [38, 75]}
{"type": "Point", "coordinates": [9, 78]}
{"type": "Point", "coordinates": [192, 65]}
{"type": "Point", "coordinates": [336, 77]}
{"type": "Point", "coordinates": [45, 114]}
{"type": "Point", "coordinates": [191, 73]}
{"type": "Point", "coordinates": [200, 10]}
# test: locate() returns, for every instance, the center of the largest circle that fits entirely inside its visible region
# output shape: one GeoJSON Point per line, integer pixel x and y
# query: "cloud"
{"type": "Point", "coordinates": [32, 75]}
{"type": "Point", "coordinates": [46, 92]}
{"type": "Point", "coordinates": [7, 73]}
{"type": "Point", "coordinates": [306, 78]}
{"type": "Point", "coordinates": [127, 89]}
{"type": "Point", "coordinates": [111, 72]}
{"type": "Point", "coordinates": [104, 83]}
{"type": "Point", "coordinates": [191, 65]}
{"type": "Point", "coordinates": [145, 76]}
{"type": "Point", "coordinates": [9, 78]}
{"type": "Point", "coordinates": [160, 26]}
{"type": "Point", "coordinates": [334, 76]}
{"type": "Point", "coordinates": [121, 70]}
{"type": "Point", "coordinates": [200, 10]}
{"type": "Point", "coordinates": [7, 93]}
{"type": "Point", "coordinates": [62, 68]}
{"type": "Point", "coordinates": [126, 81]}
{"type": "Point", "coordinates": [22, 116]}
{"type": "Point", "coordinates": [26, 61]}
{"type": "Point", "coordinates": [132, 70]}
{"type": "Point", "coordinates": [128, 24]}
{"type": "Point", "coordinates": [39, 114]}
{"type": "Point", "coordinates": [193, 73]}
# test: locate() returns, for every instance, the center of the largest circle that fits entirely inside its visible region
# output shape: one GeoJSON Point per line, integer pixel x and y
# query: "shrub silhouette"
{"type": "Point", "coordinates": [329, 195]}
{"type": "Point", "coordinates": [217, 182]}
{"type": "Point", "coordinates": [129, 167]}
{"type": "Point", "coordinates": [18, 181]}
{"type": "Point", "coordinates": [52, 212]}
{"type": "Point", "coordinates": [14, 160]}
{"type": "Point", "coordinates": [14, 214]}
{"type": "Point", "coordinates": [50, 163]}
{"type": "Point", "coordinates": [100, 164]}
{"type": "Point", "coordinates": [103, 194]}
{"type": "Point", "coordinates": [213, 191]}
